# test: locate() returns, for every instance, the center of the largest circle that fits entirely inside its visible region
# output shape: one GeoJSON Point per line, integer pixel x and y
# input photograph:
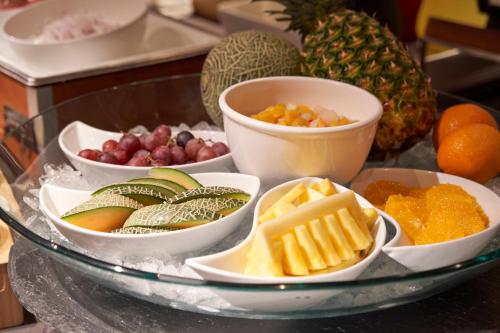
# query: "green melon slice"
{"type": "Point", "coordinates": [209, 192]}
{"type": "Point", "coordinates": [103, 212]}
{"type": "Point", "coordinates": [170, 216]}
{"type": "Point", "coordinates": [146, 194]}
{"type": "Point", "coordinates": [223, 206]}
{"type": "Point", "coordinates": [172, 186]}
{"type": "Point", "coordinates": [176, 176]}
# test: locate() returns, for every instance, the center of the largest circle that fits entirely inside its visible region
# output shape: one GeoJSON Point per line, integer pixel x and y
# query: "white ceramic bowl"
{"type": "Point", "coordinates": [77, 136]}
{"type": "Point", "coordinates": [21, 28]}
{"type": "Point", "coordinates": [229, 265]}
{"type": "Point", "coordinates": [278, 153]}
{"type": "Point", "coordinates": [430, 256]}
{"type": "Point", "coordinates": [55, 201]}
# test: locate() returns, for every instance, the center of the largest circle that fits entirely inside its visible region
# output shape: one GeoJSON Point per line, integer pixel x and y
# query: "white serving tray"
{"type": "Point", "coordinates": [164, 40]}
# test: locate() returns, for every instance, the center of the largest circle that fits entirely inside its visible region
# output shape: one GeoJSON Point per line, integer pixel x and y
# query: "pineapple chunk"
{"type": "Point", "coordinates": [340, 242]}
{"type": "Point", "coordinates": [264, 259]}
{"type": "Point", "coordinates": [325, 246]}
{"type": "Point", "coordinates": [371, 216]}
{"type": "Point", "coordinates": [293, 261]}
{"type": "Point", "coordinates": [353, 232]}
{"type": "Point", "coordinates": [325, 187]}
{"type": "Point", "coordinates": [289, 197]}
{"type": "Point", "coordinates": [310, 195]}
{"type": "Point", "coordinates": [312, 255]}
{"type": "Point", "coordinates": [283, 208]}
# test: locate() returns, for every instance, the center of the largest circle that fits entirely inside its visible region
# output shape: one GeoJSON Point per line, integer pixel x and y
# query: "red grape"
{"type": "Point", "coordinates": [129, 143]}
{"type": "Point", "coordinates": [192, 148]}
{"type": "Point", "coordinates": [162, 153]}
{"type": "Point", "coordinates": [109, 145]}
{"type": "Point", "coordinates": [121, 156]}
{"type": "Point", "coordinates": [142, 153]}
{"type": "Point", "coordinates": [108, 158]}
{"type": "Point", "coordinates": [159, 163]}
{"type": "Point", "coordinates": [138, 161]}
{"type": "Point", "coordinates": [205, 153]}
{"type": "Point", "coordinates": [178, 155]}
{"type": "Point", "coordinates": [163, 132]}
{"type": "Point", "coordinates": [183, 137]}
{"type": "Point", "coordinates": [151, 141]}
{"type": "Point", "coordinates": [89, 154]}
{"type": "Point", "coordinates": [220, 148]}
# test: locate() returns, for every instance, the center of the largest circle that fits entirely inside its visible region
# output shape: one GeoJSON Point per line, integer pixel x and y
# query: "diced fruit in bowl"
{"type": "Point", "coordinates": [157, 148]}
{"type": "Point", "coordinates": [301, 116]}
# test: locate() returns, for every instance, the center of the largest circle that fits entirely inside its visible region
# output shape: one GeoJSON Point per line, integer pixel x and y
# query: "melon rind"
{"type": "Point", "coordinates": [244, 56]}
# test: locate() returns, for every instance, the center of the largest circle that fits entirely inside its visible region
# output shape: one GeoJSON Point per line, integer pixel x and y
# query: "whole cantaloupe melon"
{"type": "Point", "coordinates": [243, 56]}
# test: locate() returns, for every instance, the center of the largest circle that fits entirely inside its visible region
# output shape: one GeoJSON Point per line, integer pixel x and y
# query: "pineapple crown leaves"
{"type": "Point", "coordinates": [304, 14]}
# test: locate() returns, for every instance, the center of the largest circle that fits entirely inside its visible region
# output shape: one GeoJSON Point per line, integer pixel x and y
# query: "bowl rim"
{"type": "Point", "coordinates": [261, 125]}
{"type": "Point", "coordinates": [376, 249]}
{"type": "Point", "coordinates": [108, 235]}
{"type": "Point", "coordinates": [392, 245]}
{"type": "Point", "coordinates": [118, 167]}
{"type": "Point", "coordinates": [23, 41]}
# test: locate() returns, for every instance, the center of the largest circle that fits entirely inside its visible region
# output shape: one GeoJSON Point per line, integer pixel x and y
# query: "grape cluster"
{"type": "Point", "coordinates": [157, 148]}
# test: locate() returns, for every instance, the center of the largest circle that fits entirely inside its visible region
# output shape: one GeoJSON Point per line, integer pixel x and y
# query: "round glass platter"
{"type": "Point", "coordinates": [30, 153]}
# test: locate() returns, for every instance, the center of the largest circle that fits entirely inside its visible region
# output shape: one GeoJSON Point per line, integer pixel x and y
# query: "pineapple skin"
{"type": "Point", "coordinates": [355, 48]}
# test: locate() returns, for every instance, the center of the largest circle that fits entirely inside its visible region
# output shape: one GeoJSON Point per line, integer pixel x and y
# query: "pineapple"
{"type": "Point", "coordinates": [349, 46]}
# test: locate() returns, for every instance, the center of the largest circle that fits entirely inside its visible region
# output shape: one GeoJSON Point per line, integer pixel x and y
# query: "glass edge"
{"type": "Point", "coordinates": [158, 277]}
{"type": "Point", "coordinates": [100, 264]}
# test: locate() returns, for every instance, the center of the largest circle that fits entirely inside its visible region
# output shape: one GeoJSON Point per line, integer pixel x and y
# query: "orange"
{"type": "Point", "coordinates": [472, 151]}
{"type": "Point", "coordinates": [457, 116]}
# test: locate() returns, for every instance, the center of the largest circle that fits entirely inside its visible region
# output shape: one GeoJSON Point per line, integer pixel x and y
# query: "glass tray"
{"type": "Point", "coordinates": [27, 149]}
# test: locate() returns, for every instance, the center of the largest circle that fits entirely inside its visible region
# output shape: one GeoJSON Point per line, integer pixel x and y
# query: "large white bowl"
{"type": "Point", "coordinates": [55, 201]}
{"type": "Point", "coordinates": [77, 136]}
{"type": "Point", "coordinates": [229, 265]}
{"type": "Point", "coordinates": [21, 28]}
{"type": "Point", "coordinates": [278, 153]}
{"type": "Point", "coordinates": [430, 256]}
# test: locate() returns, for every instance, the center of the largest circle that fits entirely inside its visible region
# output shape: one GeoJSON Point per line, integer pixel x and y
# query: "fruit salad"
{"type": "Point", "coordinates": [158, 148]}
{"type": "Point", "coordinates": [166, 200]}
{"type": "Point", "coordinates": [429, 215]}
{"type": "Point", "coordinates": [311, 230]}
{"type": "Point", "coordinates": [302, 116]}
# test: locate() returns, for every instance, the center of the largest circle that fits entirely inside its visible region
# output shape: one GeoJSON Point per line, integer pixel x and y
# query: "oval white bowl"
{"type": "Point", "coordinates": [55, 201]}
{"type": "Point", "coordinates": [20, 28]}
{"type": "Point", "coordinates": [229, 265]}
{"type": "Point", "coordinates": [278, 153]}
{"type": "Point", "coordinates": [431, 256]}
{"type": "Point", "coordinates": [78, 135]}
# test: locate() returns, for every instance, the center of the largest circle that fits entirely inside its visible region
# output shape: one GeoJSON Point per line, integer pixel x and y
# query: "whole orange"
{"type": "Point", "coordinates": [472, 151]}
{"type": "Point", "coordinates": [457, 116]}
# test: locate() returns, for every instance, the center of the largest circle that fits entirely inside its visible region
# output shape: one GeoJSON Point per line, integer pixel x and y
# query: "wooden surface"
{"type": "Point", "coordinates": [463, 36]}
{"type": "Point", "coordinates": [67, 90]}
{"type": "Point", "coordinates": [11, 312]}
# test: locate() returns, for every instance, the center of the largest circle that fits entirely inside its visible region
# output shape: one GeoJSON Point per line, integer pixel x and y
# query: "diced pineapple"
{"type": "Point", "coordinates": [293, 261]}
{"type": "Point", "coordinates": [320, 235]}
{"type": "Point", "coordinates": [339, 241]}
{"type": "Point", "coordinates": [291, 115]}
{"type": "Point", "coordinates": [325, 187]}
{"type": "Point", "coordinates": [353, 232]}
{"type": "Point", "coordinates": [283, 208]}
{"type": "Point", "coordinates": [310, 195]}
{"type": "Point", "coordinates": [299, 121]}
{"type": "Point", "coordinates": [311, 252]}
